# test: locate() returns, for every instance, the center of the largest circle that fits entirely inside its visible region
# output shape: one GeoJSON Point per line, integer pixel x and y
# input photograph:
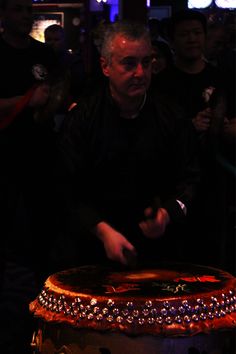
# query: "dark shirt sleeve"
{"type": "Point", "coordinates": [186, 170]}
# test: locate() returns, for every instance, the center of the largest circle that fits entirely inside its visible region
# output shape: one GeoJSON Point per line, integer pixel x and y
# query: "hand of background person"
{"type": "Point", "coordinates": [114, 243]}
{"type": "Point", "coordinates": [202, 120]}
{"type": "Point", "coordinates": [155, 225]}
{"type": "Point", "coordinates": [39, 96]}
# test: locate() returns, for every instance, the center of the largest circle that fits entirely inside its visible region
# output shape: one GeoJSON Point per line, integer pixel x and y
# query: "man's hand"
{"type": "Point", "coordinates": [155, 225]}
{"type": "Point", "coordinates": [114, 243]}
{"type": "Point", "coordinates": [202, 120]}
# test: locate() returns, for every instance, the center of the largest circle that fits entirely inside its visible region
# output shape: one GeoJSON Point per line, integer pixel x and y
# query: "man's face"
{"type": "Point", "coordinates": [189, 40]}
{"type": "Point", "coordinates": [129, 69]}
{"type": "Point", "coordinates": [56, 40]}
{"type": "Point", "coordinates": [18, 17]}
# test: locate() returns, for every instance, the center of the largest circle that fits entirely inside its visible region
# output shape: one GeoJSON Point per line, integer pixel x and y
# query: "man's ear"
{"type": "Point", "coordinates": [104, 66]}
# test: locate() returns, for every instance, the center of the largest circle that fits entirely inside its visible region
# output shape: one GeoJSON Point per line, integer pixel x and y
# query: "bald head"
{"type": "Point", "coordinates": [54, 36]}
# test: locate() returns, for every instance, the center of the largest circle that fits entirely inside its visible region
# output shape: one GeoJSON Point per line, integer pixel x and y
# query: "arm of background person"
{"type": "Point", "coordinates": [7, 104]}
{"type": "Point", "coordinates": [35, 97]}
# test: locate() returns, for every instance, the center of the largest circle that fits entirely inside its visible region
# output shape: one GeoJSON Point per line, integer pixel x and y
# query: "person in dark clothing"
{"type": "Point", "coordinates": [190, 76]}
{"type": "Point", "coordinates": [199, 88]}
{"type": "Point", "coordinates": [131, 162]}
{"type": "Point", "coordinates": [69, 75]}
{"type": "Point", "coordinates": [162, 57]}
{"type": "Point", "coordinates": [25, 155]}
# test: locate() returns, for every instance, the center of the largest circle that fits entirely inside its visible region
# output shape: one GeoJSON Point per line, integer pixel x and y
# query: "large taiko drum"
{"type": "Point", "coordinates": [171, 309]}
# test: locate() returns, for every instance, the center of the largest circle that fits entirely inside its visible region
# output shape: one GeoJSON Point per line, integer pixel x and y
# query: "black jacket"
{"type": "Point", "coordinates": [116, 167]}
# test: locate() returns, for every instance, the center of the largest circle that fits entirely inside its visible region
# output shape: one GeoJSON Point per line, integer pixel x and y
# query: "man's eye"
{"type": "Point", "coordinates": [183, 34]}
{"type": "Point", "coordinates": [198, 33]}
{"type": "Point", "coordinates": [146, 62]}
{"type": "Point", "coordinates": [129, 64]}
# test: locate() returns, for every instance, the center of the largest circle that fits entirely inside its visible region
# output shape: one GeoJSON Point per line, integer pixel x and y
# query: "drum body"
{"type": "Point", "coordinates": [63, 339]}
{"type": "Point", "coordinates": [172, 309]}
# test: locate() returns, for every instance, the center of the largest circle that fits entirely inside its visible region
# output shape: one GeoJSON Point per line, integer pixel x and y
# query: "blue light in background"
{"type": "Point", "coordinates": [114, 11]}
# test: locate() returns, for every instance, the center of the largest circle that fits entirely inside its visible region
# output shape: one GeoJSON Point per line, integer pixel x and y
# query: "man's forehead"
{"type": "Point", "coordinates": [121, 42]}
{"type": "Point", "coordinates": [123, 38]}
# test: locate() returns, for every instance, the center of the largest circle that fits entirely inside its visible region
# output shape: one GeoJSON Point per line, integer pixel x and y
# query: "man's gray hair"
{"type": "Point", "coordinates": [130, 30]}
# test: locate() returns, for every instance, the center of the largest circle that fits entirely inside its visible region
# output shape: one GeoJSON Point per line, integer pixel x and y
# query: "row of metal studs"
{"type": "Point", "coordinates": [141, 314]}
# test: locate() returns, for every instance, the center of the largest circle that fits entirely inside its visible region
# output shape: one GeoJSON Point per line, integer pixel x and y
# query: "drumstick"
{"type": "Point", "coordinates": [155, 206]}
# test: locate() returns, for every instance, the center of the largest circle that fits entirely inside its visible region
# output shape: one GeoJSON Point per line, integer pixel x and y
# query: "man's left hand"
{"type": "Point", "coordinates": [155, 225]}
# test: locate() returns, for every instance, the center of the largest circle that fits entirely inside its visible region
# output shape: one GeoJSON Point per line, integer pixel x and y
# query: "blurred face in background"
{"type": "Point", "coordinates": [55, 38]}
{"type": "Point", "coordinates": [215, 42]}
{"type": "Point", "coordinates": [189, 40]}
{"type": "Point", "coordinates": [17, 17]}
{"type": "Point", "coordinates": [161, 56]}
{"type": "Point", "coordinates": [129, 67]}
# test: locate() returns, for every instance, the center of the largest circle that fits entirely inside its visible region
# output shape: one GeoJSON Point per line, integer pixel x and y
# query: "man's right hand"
{"type": "Point", "coordinates": [114, 243]}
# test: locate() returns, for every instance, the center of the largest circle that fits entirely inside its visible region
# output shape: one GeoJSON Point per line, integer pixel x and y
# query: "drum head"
{"type": "Point", "coordinates": [173, 300]}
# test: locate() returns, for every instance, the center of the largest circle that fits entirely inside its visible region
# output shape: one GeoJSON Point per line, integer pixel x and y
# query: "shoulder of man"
{"type": "Point", "coordinates": [166, 103]}
{"type": "Point", "coordinates": [87, 107]}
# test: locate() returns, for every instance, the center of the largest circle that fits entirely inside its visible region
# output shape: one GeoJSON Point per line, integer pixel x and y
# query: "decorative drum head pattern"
{"type": "Point", "coordinates": [173, 280]}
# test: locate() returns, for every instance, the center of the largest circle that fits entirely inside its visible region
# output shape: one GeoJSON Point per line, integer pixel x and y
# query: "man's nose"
{"type": "Point", "coordinates": [192, 36]}
{"type": "Point", "coordinates": [139, 71]}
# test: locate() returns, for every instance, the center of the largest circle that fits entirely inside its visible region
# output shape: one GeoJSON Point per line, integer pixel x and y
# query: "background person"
{"type": "Point", "coordinates": [162, 57]}
{"type": "Point", "coordinates": [202, 92]}
{"type": "Point", "coordinates": [68, 80]}
{"type": "Point", "coordinates": [26, 180]}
